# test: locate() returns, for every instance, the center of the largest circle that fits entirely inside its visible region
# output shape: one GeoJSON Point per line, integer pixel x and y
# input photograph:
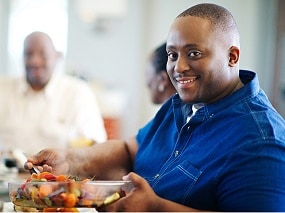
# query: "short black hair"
{"type": "Point", "coordinates": [218, 16]}
{"type": "Point", "coordinates": [159, 58]}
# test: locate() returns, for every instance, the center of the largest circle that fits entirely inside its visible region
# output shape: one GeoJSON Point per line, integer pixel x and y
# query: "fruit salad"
{"type": "Point", "coordinates": [49, 191]}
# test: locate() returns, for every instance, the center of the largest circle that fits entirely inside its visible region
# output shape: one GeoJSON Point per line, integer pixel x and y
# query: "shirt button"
{"type": "Point", "coordinates": [176, 153]}
{"type": "Point", "coordinates": [156, 176]}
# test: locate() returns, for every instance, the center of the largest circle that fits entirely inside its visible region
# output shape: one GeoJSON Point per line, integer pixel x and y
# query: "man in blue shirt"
{"type": "Point", "coordinates": [217, 145]}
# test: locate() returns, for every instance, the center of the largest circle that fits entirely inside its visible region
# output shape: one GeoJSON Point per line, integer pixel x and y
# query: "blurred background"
{"type": "Point", "coordinates": [107, 43]}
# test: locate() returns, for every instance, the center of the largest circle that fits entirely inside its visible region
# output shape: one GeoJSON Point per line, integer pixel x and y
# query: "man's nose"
{"type": "Point", "coordinates": [34, 59]}
{"type": "Point", "coordinates": [181, 65]}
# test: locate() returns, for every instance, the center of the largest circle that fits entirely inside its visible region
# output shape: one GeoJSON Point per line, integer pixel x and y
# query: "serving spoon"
{"type": "Point", "coordinates": [34, 170]}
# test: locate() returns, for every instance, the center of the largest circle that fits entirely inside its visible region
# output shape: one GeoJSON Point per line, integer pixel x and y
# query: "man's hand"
{"type": "Point", "coordinates": [142, 198]}
{"type": "Point", "coordinates": [50, 160]}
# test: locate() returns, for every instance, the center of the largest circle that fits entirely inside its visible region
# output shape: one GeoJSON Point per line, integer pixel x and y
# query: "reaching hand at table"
{"type": "Point", "coordinates": [106, 161]}
{"type": "Point", "coordinates": [50, 160]}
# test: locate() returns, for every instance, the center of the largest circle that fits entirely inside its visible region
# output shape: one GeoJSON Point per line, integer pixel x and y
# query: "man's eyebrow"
{"type": "Point", "coordinates": [185, 46]}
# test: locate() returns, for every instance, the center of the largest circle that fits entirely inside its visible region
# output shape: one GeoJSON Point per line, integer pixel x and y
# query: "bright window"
{"type": "Point", "coordinates": [26, 16]}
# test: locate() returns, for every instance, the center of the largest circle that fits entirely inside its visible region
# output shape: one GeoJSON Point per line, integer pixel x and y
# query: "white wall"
{"type": "Point", "coordinates": [4, 8]}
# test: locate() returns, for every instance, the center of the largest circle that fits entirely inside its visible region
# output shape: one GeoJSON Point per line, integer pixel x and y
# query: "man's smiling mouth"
{"type": "Point", "coordinates": [186, 81]}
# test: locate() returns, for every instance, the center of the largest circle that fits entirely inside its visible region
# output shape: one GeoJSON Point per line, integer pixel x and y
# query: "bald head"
{"type": "Point", "coordinates": [40, 57]}
{"type": "Point", "coordinates": [39, 37]}
{"type": "Point", "coordinates": [219, 17]}
{"type": "Point", "coordinates": [203, 54]}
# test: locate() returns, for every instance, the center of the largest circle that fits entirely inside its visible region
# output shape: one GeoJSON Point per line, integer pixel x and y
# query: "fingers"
{"type": "Point", "coordinates": [28, 165]}
{"type": "Point", "coordinates": [38, 160]}
{"type": "Point", "coordinates": [40, 157]}
{"type": "Point", "coordinates": [49, 160]}
{"type": "Point", "coordinates": [135, 178]}
{"type": "Point", "coordinates": [43, 168]}
{"type": "Point", "coordinates": [46, 168]}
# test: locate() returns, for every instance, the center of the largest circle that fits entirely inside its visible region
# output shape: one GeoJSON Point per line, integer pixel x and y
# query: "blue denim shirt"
{"type": "Point", "coordinates": [229, 157]}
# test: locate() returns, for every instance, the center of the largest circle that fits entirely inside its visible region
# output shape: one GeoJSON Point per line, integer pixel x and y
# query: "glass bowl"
{"type": "Point", "coordinates": [69, 194]}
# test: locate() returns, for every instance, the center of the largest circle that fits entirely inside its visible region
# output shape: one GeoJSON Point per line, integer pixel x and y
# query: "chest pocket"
{"type": "Point", "coordinates": [176, 184]}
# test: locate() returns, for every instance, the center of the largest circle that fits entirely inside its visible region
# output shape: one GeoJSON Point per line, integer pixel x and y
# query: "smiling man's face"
{"type": "Point", "coordinates": [198, 60]}
{"type": "Point", "coordinates": [40, 59]}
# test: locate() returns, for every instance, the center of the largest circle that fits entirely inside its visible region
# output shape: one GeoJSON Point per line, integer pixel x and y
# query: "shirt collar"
{"type": "Point", "coordinates": [51, 87]}
{"type": "Point", "coordinates": [47, 91]}
{"type": "Point", "coordinates": [250, 88]}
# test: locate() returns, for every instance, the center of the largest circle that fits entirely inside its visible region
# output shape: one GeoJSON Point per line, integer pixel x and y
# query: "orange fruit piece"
{"type": "Point", "coordinates": [71, 200]}
{"type": "Point", "coordinates": [61, 178]}
{"type": "Point", "coordinates": [42, 174]}
{"type": "Point", "coordinates": [34, 176]}
{"type": "Point", "coordinates": [45, 190]}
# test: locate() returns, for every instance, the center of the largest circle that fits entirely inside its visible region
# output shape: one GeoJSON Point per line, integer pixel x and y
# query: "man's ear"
{"type": "Point", "coordinates": [233, 56]}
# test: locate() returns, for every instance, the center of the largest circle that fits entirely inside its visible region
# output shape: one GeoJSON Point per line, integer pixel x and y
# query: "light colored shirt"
{"type": "Point", "coordinates": [65, 110]}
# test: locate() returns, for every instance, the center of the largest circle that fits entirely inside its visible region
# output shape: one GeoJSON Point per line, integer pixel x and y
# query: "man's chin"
{"type": "Point", "coordinates": [37, 84]}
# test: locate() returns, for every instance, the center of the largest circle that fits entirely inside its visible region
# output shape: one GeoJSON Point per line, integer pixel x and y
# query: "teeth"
{"type": "Point", "coordinates": [188, 81]}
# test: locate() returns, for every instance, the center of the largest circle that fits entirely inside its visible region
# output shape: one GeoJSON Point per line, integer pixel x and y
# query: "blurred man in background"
{"type": "Point", "coordinates": [46, 109]}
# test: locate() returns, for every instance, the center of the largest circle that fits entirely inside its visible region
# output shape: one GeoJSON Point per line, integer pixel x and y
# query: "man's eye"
{"type": "Point", "coordinates": [194, 54]}
{"type": "Point", "coordinates": [28, 54]}
{"type": "Point", "coordinates": [172, 55]}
